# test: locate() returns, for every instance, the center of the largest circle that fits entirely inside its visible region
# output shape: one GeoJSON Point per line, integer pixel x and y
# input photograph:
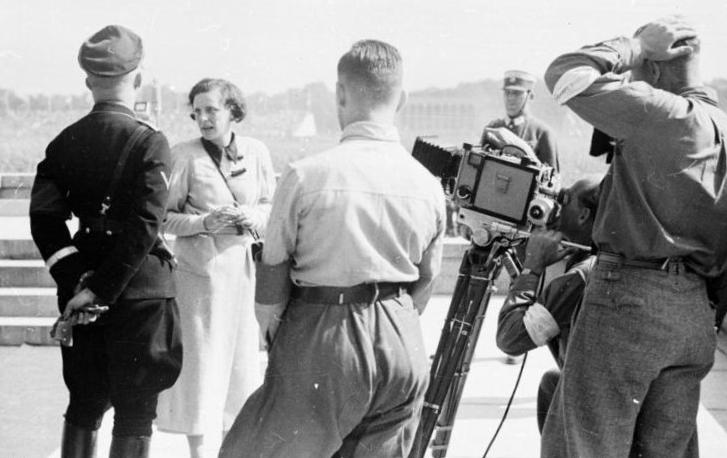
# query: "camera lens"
{"type": "Point", "coordinates": [536, 212]}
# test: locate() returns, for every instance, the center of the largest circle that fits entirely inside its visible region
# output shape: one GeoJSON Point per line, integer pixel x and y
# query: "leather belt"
{"type": "Point", "coordinates": [363, 292]}
{"type": "Point", "coordinates": [100, 226]}
{"type": "Point", "coordinates": [654, 264]}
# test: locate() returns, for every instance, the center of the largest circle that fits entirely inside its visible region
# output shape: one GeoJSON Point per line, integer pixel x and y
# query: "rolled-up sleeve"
{"type": "Point", "coordinates": [592, 82]}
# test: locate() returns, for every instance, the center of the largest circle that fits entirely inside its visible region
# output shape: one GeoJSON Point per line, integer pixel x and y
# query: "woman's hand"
{"type": "Point", "coordinates": [221, 217]}
{"type": "Point", "coordinates": [244, 216]}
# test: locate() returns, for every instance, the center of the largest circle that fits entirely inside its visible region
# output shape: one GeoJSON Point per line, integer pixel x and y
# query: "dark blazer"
{"type": "Point", "coordinates": [129, 262]}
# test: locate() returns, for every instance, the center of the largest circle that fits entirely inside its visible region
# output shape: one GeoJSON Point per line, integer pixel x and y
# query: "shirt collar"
{"type": "Point", "coordinates": [369, 130]}
{"type": "Point", "coordinates": [216, 152]}
{"type": "Point", "coordinates": [517, 120]}
{"type": "Point", "coordinates": [113, 107]}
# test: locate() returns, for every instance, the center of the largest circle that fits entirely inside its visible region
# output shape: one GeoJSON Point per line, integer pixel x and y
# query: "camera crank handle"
{"type": "Point", "coordinates": [575, 245]}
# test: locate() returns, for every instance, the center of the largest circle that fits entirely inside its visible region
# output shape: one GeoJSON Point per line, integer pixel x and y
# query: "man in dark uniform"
{"type": "Point", "coordinates": [518, 91]}
{"type": "Point", "coordinates": [111, 171]}
{"type": "Point", "coordinates": [527, 319]}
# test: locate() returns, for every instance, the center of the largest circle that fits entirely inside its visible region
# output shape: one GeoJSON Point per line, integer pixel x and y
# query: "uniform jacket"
{"type": "Point", "coordinates": [528, 320]}
{"type": "Point", "coordinates": [73, 179]}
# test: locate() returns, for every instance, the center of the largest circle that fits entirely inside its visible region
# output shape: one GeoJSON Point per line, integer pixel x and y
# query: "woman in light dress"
{"type": "Point", "coordinates": [219, 200]}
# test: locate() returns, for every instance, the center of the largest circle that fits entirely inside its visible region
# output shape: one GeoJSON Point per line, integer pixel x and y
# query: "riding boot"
{"type": "Point", "coordinates": [130, 447]}
{"type": "Point", "coordinates": [78, 442]}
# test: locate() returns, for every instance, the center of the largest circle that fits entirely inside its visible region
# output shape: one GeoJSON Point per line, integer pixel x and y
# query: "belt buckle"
{"type": "Point", "coordinates": [376, 292]}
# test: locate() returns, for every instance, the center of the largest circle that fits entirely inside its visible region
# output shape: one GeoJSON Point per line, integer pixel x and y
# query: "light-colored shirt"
{"type": "Point", "coordinates": [363, 211]}
{"type": "Point", "coordinates": [664, 195]}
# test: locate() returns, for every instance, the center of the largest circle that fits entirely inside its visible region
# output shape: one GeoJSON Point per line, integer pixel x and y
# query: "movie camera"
{"type": "Point", "coordinates": [502, 192]}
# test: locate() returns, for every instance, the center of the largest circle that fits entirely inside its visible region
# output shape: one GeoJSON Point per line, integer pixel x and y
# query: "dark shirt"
{"type": "Point", "coordinates": [535, 133]}
{"type": "Point", "coordinates": [74, 177]}
{"type": "Point", "coordinates": [527, 321]}
{"type": "Point", "coordinates": [664, 195]}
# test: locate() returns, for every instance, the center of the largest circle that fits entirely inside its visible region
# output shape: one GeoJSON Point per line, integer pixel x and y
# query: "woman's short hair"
{"type": "Point", "coordinates": [231, 95]}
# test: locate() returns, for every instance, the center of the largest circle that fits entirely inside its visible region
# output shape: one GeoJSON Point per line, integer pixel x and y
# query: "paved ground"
{"type": "Point", "coordinates": [32, 398]}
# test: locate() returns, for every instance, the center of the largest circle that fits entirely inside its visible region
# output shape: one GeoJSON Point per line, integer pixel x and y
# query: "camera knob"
{"type": "Point", "coordinates": [464, 192]}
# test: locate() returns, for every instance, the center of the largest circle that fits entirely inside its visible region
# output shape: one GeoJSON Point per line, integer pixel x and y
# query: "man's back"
{"type": "Point", "coordinates": [668, 173]}
{"type": "Point", "coordinates": [79, 166]}
{"type": "Point", "coordinates": [356, 206]}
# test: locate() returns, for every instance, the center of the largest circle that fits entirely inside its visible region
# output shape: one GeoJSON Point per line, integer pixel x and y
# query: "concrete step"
{"type": "Point", "coordinates": [14, 207]}
{"type": "Point", "coordinates": [18, 249]}
{"type": "Point", "coordinates": [28, 302]}
{"type": "Point", "coordinates": [24, 273]}
{"type": "Point", "coordinates": [17, 180]}
{"type": "Point", "coordinates": [16, 185]}
{"type": "Point", "coordinates": [31, 331]}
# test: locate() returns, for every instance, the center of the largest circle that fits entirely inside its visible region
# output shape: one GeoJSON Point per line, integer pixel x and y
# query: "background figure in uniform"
{"type": "Point", "coordinates": [359, 230]}
{"type": "Point", "coordinates": [214, 219]}
{"type": "Point", "coordinates": [518, 91]}
{"type": "Point", "coordinates": [645, 334]}
{"type": "Point", "coordinates": [527, 319]}
{"type": "Point", "coordinates": [133, 351]}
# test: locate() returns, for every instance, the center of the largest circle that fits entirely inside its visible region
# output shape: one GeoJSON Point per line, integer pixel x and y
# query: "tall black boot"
{"type": "Point", "coordinates": [130, 447]}
{"type": "Point", "coordinates": [78, 442]}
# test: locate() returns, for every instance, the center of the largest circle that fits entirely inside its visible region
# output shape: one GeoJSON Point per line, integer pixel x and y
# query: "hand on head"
{"type": "Point", "coordinates": [656, 39]}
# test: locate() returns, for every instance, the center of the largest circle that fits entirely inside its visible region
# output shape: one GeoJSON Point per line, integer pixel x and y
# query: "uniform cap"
{"type": "Point", "coordinates": [518, 80]}
{"type": "Point", "coordinates": [112, 51]}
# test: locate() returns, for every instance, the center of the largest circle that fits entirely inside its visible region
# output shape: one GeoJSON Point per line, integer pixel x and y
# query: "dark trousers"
{"type": "Point", "coordinates": [123, 362]}
{"type": "Point", "coordinates": [546, 391]}
{"type": "Point", "coordinates": [643, 342]}
{"type": "Point", "coordinates": [347, 380]}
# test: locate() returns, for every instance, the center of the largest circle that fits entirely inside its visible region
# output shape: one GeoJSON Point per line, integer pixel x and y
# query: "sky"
{"type": "Point", "coordinates": [272, 45]}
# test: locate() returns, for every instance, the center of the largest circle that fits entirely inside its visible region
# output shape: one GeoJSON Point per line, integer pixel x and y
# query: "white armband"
{"type": "Point", "coordinates": [60, 254]}
{"type": "Point", "coordinates": [540, 324]}
{"type": "Point", "coordinates": [573, 82]}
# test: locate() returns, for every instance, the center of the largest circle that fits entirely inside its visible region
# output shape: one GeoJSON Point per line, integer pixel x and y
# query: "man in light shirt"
{"type": "Point", "coordinates": [352, 247]}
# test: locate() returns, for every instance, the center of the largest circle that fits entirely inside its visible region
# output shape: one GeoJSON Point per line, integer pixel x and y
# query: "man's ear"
{"type": "Point", "coordinates": [403, 97]}
{"type": "Point", "coordinates": [137, 80]}
{"type": "Point", "coordinates": [584, 215]}
{"type": "Point", "coordinates": [88, 83]}
{"type": "Point", "coordinates": [340, 94]}
{"type": "Point", "coordinates": [531, 95]}
{"type": "Point", "coordinates": [653, 70]}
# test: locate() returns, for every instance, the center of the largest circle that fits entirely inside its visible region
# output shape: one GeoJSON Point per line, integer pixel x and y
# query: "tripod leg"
{"type": "Point", "coordinates": [457, 342]}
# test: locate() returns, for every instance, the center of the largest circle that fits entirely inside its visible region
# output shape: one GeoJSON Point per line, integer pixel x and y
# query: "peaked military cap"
{"type": "Point", "coordinates": [518, 80]}
{"type": "Point", "coordinates": [112, 51]}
